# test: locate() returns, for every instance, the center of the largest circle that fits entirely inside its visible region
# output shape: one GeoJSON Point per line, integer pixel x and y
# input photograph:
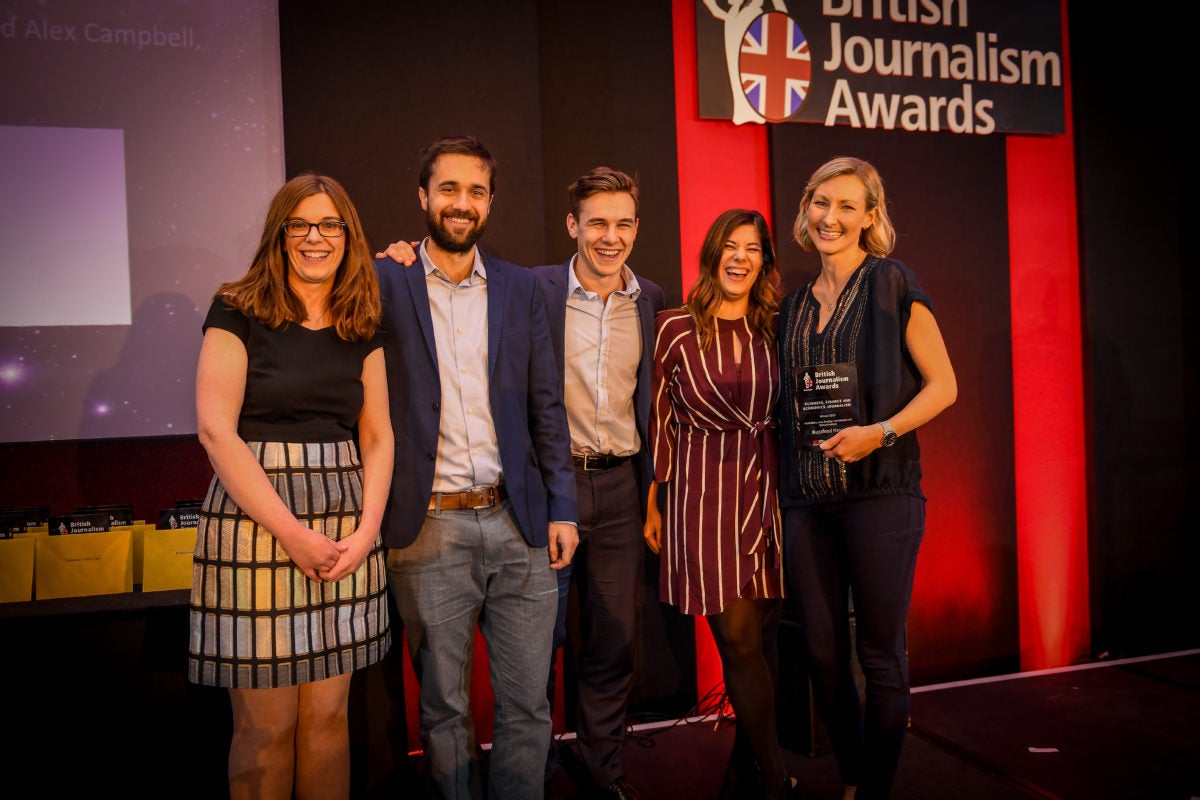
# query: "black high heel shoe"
{"type": "Point", "coordinates": [743, 779]}
{"type": "Point", "coordinates": [740, 785]}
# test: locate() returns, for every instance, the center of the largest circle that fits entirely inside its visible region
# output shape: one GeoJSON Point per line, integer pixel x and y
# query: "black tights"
{"type": "Point", "coordinates": [745, 635]}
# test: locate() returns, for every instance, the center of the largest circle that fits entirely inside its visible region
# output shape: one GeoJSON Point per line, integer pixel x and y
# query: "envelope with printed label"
{"type": "Point", "coordinates": [139, 530]}
{"type": "Point", "coordinates": [167, 559]}
{"type": "Point", "coordinates": [83, 564]}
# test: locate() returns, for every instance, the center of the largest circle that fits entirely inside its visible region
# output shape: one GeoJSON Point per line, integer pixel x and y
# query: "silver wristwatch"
{"type": "Point", "coordinates": [889, 435]}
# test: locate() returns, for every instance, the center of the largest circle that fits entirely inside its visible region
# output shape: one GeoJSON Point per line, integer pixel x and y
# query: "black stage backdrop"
{"type": "Point", "coordinates": [548, 96]}
{"type": "Point", "coordinates": [1142, 342]}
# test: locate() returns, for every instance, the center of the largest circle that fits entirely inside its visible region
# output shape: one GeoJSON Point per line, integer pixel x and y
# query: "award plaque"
{"type": "Point", "coordinates": [826, 401]}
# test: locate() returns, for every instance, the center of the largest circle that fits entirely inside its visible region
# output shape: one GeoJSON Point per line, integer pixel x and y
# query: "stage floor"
{"type": "Point", "coordinates": [1117, 730]}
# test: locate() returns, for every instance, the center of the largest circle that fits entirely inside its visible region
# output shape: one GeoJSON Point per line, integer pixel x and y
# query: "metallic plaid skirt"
{"type": "Point", "coordinates": [257, 621]}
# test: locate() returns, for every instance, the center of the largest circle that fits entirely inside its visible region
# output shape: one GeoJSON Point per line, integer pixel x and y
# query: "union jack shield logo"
{"type": "Point", "coordinates": [775, 66]}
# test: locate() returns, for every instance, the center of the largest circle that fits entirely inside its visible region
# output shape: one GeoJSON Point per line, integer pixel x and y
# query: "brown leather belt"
{"type": "Point", "coordinates": [472, 499]}
{"type": "Point", "coordinates": [595, 461]}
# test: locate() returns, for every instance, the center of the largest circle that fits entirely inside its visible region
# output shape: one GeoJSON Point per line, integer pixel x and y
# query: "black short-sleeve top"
{"type": "Point", "coordinates": [302, 385]}
{"type": "Point", "coordinates": [867, 328]}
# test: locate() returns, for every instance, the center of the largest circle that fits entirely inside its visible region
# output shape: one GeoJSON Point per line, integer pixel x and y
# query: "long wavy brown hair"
{"type": "Point", "coordinates": [264, 294]}
{"type": "Point", "coordinates": [705, 296]}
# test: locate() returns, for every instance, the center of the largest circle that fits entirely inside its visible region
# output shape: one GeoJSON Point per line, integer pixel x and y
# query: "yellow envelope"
{"type": "Point", "coordinates": [167, 559]}
{"type": "Point", "coordinates": [82, 564]}
{"type": "Point", "coordinates": [16, 569]}
{"type": "Point", "coordinates": [139, 530]}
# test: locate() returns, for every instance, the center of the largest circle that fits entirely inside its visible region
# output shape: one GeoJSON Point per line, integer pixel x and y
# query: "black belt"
{"type": "Point", "coordinates": [594, 461]}
{"type": "Point", "coordinates": [474, 498]}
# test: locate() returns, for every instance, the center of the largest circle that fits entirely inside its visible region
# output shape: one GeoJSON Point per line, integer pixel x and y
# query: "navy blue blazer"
{"type": "Point", "coordinates": [554, 279]}
{"type": "Point", "coordinates": [526, 396]}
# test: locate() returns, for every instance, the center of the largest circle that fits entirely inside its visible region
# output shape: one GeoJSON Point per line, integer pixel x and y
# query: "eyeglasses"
{"type": "Point", "coordinates": [329, 228]}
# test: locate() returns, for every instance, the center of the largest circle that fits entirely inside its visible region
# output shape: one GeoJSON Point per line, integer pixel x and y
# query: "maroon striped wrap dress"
{"type": "Point", "coordinates": [712, 424]}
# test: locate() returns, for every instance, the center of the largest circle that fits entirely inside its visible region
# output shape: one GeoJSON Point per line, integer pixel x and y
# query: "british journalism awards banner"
{"type": "Point", "coordinates": [909, 65]}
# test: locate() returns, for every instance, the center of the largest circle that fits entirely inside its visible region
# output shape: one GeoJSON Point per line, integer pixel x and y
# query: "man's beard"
{"type": "Point", "coordinates": [446, 240]}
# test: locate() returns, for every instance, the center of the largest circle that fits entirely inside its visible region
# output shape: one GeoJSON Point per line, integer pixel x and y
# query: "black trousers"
{"type": "Point", "coordinates": [865, 549]}
{"type": "Point", "coordinates": [599, 616]}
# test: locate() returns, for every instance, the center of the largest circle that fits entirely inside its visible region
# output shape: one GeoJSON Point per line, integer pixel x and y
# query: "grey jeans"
{"type": "Point", "coordinates": [468, 568]}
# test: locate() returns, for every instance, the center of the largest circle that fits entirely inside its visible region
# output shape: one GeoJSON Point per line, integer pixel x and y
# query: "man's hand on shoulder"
{"type": "Point", "coordinates": [401, 252]}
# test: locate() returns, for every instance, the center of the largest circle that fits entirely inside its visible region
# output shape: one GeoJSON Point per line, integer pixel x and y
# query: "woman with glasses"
{"type": "Point", "coordinates": [289, 584]}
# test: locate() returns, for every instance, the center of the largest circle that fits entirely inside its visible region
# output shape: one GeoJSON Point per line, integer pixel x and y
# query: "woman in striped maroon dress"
{"type": "Point", "coordinates": [716, 381]}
